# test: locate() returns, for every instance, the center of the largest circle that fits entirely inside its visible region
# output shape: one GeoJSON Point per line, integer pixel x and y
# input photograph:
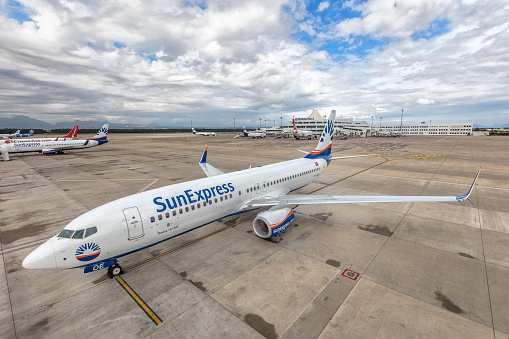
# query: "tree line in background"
{"type": "Point", "coordinates": [64, 131]}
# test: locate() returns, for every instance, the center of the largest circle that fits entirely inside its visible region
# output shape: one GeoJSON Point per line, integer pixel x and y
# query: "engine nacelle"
{"type": "Point", "coordinates": [270, 223]}
{"type": "Point", "coordinates": [48, 151]}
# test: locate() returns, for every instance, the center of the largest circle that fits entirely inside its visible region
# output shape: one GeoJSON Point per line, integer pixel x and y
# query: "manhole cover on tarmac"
{"type": "Point", "coordinates": [350, 274]}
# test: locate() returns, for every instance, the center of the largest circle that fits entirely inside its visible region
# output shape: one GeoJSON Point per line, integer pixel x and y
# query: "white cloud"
{"type": "Point", "coordinates": [241, 59]}
{"type": "Point", "coordinates": [323, 6]}
{"type": "Point", "coordinates": [422, 101]}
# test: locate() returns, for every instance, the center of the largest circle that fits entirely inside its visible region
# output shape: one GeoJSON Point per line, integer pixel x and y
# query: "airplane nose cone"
{"type": "Point", "coordinates": [42, 258]}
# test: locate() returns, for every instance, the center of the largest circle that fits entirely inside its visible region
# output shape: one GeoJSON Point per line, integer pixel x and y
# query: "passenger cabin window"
{"type": "Point", "coordinates": [160, 217]}
{"type": "Point", "coordinates": [192, 207]}
{"type": "Point", "coordinates": [78, 234]}
{"type": "Point", "coordinates": [167, 214]}
{"type": "Point", "coordinates": [187, 209]}
{"type": "Point", "coordinates": [152, 219]}
{"type": "Point", "coordinates": [174, 213]}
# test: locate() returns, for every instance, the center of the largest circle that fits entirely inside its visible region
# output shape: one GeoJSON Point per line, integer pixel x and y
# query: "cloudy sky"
{"type": "Point", "coordinates": [170, 62]}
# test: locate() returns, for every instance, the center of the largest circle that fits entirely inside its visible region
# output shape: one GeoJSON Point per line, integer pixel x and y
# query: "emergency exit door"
{"type": "Point", "coordinates": [134, 223]}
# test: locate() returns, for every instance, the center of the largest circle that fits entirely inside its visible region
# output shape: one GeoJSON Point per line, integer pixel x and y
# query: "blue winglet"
{"type": "Point", "coordinates": [465, 197]}
{"type": "Point", "coordinates": [204, 157]}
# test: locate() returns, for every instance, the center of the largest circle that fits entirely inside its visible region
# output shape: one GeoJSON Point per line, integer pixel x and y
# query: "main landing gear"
{"type": "Point", "coordinates": [114, 271]}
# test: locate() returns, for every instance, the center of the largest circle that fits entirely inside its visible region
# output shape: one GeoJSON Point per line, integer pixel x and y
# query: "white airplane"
{"type": "Point", "coordinates": [98, 238]}
{"type": "Point", "coordinates": [254, 134]}
{"type": "Point", "coordinates": [10, 136]}
{"type": "Point", "coordinates": [52, 146]}
{"type": "Point", "coordinates": [205, 134]}
{"type": "Point", "coordinates": [73, 134]}
{"type": "Point", "coordinates": [299, 133]}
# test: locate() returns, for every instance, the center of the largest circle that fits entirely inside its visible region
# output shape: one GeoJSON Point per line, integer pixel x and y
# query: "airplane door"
{"type": "Point", "coordinates": [264, 186]}
{"type": "Point", "coordinates": [258, 188]}
{"type": "Point", "coordinates": [134, 223]}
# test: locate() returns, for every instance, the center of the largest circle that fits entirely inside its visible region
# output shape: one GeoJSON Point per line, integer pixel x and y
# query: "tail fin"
{"type": "Point", "coordinates": [31, 132]}
{"type": "Point", "coordinates": [323, 149]}
{"type": "Point", "coordinates": [194, 132]}
{"type": "Point", "coordinates": [294, 128]}
{"type": "Point", "coordinates": [73, 134]}
{"type": "Point", "coordinates": [102, 135]}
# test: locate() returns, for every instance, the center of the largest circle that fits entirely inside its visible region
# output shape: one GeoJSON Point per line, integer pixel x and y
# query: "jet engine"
{"type": "Point", "coordinates": [272, 222]}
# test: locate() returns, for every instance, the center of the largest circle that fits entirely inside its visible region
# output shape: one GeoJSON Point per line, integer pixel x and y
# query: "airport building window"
{"type": "Point", "coordinates": [89, 231]}
{"type": "Point", "coordinates": [78, 234]}
{"type": "Point", "coordinates": [152, 219]}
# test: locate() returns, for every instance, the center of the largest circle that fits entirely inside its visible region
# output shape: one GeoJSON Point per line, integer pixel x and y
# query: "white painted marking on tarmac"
{"type": "Point", "coordinates": [441, 139]}
{"type": "Point", "coordinates": [23, 246]}
{"type": "Point", "coordinates": [144, 188]}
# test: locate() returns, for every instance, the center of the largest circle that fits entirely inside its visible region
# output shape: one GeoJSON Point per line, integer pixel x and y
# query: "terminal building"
{"type": "Point", "coordinates": [347, 126]}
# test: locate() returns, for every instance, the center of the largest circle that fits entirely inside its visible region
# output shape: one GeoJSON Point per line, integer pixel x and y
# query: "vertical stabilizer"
{"type": "Point", "coordinates": [102, 135]}
{"type": "Point", "coordinates": [324, 147]}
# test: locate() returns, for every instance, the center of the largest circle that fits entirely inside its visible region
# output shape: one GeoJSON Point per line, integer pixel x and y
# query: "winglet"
{"type": "Point", "coordinates": [204, 156]}
{"type": "Point", "coordinates": [209, 170]}
{"type": "Point", "coordinates": [465, 197]}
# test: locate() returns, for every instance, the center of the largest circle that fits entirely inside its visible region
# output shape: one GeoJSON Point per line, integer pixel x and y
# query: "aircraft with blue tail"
{"type": "Point", "coordinates": [100, 237]}
{"type": "Point", "coordinates": [51, 145]}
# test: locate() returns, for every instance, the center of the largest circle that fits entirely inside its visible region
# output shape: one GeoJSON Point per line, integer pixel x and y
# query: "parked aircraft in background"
{"type": "Point", "coordinates": [254, 134]}
{"type": "Point", "coordinates": [299, 133]}
{"type": "Point", "coordinates": [52, 146]}
{"type": "Point", "coordinates": [98, 238]}
{"type": "Point", "coordinates": [73, 134]}
{"type": "Point", "coordinates": [205, 134]}
{"type": "Point", "coordinates": [10, 136]}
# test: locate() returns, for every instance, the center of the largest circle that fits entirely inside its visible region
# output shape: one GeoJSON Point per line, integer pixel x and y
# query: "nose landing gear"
{"type": "Point", "coordinates": [114, 271]}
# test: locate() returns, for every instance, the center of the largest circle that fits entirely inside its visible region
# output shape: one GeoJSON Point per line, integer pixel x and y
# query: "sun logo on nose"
{"type": "Point", "coordinates": [88, 251]}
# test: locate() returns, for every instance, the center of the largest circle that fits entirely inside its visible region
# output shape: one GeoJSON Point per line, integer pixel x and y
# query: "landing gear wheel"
{"type": "Point", "coordinates": [114, 271]}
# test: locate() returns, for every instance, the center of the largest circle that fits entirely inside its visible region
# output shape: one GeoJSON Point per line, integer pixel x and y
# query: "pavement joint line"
{"type": "Point", "coordinates": [174, 249]}
{"type": "Point", "coordinates": [152, 315]}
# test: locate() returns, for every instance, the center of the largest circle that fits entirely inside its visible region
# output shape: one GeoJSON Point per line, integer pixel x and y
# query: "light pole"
{"type": "Point", "coordinates": [380, 122]}
{"type": "Point", "coordinates": [265, 123]}
{"type": "Point", "coordinates": [371, 131]}
{"type": "Point", "coordinates": [233, 125]}
{"type": "Point", "coordinates": [260, 123]}
{"type": "Point", "coordinates": [401, 125]}
{"type": "Point", "coordinates": [281, 124]}
{"type": "Point", "coordinates": [191, 124]}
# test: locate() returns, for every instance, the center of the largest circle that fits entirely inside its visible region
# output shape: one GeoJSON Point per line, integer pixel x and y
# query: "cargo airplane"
{"type": "Point", "coordinates": [100, 237]}
{"type": "Point", "coordinates": [205, 134]}
{"type": "Point", "coordinates": [52, 146]}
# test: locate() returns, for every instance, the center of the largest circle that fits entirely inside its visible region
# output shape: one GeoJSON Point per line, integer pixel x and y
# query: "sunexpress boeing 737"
{"type": "Point", "coordinates": [98, 238]}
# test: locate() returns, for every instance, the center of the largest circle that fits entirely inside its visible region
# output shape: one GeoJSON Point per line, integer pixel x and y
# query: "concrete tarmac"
{"type": "Point", "coordinates": [384, 270]}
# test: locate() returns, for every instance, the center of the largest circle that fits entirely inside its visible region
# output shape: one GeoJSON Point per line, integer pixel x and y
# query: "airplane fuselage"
{"type": "Point", "coordinates": [38, 146]}
{"type": "Point", "coordinates": [132, 223]}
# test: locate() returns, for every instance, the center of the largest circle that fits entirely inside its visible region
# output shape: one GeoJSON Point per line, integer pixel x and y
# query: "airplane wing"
{"type": "Point", "coordinates": [209, 170]}
{"type": "Point", "coordinates": [350, 156]}
{"type": "Point", "coordinates": [346, 199]}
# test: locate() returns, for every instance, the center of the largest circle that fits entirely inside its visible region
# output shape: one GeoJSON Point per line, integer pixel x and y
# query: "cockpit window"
{"type": "Point", "coordinates": [90, 231]}
{"type": "Point", "coordinates": [65, 233]}
{"type": "Point", "coordinates": [78, 234]}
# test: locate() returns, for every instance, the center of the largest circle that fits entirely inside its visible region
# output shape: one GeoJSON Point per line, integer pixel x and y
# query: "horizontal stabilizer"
{"type": "Point", "coordinates": [353, 156]}
{"type": "Point", "coordinates": [209, 170]}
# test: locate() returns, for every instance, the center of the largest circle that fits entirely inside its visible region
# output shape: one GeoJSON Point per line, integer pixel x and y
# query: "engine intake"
{"type": "Point", "coordinates": [270, 223]}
